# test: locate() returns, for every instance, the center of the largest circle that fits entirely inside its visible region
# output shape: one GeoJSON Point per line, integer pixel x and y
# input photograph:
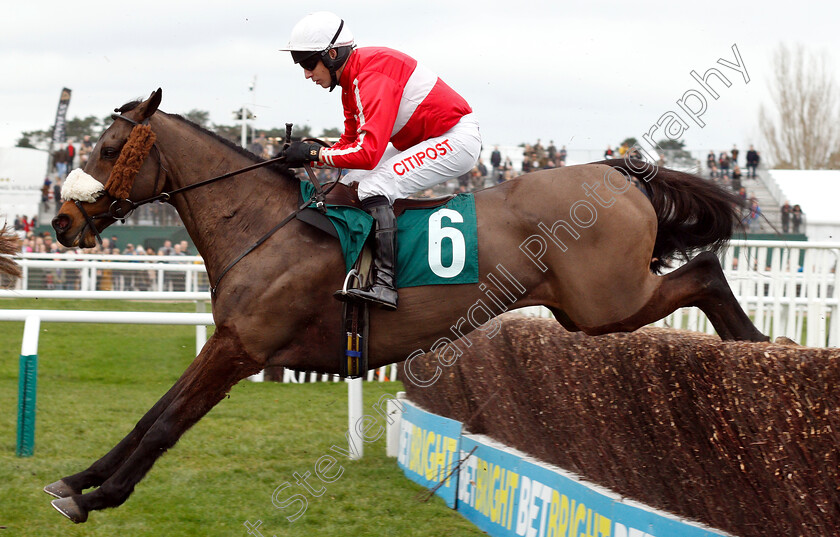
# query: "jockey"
{"type": "Point", "coordinates": [405, 130]}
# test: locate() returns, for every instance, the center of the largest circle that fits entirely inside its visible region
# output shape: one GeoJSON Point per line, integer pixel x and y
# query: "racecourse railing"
{"type": "Point", "coordinates": [90, 272]}
{"type": "Point", "coordinates": [128, 277]}
{"type": "Point", "coordinates": [788, 288]}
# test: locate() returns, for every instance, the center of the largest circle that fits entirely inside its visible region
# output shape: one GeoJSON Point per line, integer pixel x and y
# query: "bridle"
{"type": "Point", "coordinates": [120, 209]}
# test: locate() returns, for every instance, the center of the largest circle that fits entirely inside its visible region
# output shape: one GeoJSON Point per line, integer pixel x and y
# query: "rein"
{"type": "Point", "coordinates": [121, 209]}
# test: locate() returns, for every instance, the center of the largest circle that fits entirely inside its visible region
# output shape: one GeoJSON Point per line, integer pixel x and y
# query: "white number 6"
{"type": "Point", "coordinates": [437, 234]}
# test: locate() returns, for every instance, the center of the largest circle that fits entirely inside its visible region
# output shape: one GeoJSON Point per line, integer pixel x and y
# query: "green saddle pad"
{"type": "Point", "coordinates": [434, 246]}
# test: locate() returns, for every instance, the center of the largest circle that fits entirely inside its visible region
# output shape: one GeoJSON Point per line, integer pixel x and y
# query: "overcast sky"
{"type": "Point", "coordinates": [583, 76]}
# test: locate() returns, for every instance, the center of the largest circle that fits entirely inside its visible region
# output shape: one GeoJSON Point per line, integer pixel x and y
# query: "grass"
{"type": "Point", "coordinates": [96, 380]}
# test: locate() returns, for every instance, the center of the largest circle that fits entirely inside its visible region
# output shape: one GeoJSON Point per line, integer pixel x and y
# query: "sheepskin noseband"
{"type": "Point", "coordinates": [80, 186]}
{"type": "Point", "coordinates": [135, 151]}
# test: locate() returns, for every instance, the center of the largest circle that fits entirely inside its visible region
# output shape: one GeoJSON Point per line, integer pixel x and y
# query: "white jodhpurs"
{"type": "Point", "coordinates": [402, 173]}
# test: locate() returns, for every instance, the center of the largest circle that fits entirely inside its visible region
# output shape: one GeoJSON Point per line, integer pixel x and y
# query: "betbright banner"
{"type": "Point", "coordinates": [506, 495]}
{"type": "Point", "coordinates": [428, 450]}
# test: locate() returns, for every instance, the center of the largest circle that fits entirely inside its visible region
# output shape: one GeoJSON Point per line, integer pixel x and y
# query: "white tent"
{"type": "Point", "coordinates": [22, 173]}
{"type": "Point", "coordinates": [816, 192]}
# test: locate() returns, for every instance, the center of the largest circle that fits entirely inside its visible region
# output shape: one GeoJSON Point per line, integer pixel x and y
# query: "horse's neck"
{"type": "Point", "coordinates": [227, 216]}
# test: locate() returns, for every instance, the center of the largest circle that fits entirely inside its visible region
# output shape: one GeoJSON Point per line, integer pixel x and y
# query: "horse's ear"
{"type": "Point", "coordinates": [152, 103]}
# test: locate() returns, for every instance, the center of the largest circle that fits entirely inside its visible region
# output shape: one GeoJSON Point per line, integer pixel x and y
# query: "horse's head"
{"type": "Point", "coordinates": [119, 168]}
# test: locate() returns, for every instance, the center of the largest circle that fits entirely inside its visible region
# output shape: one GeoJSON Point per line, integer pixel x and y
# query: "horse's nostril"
{"type": "Point", "coordinates": [61, 222]}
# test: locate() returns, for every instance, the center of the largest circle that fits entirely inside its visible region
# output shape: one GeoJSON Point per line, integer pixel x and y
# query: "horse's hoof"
{"type": "Point", "coordinates": [69, 508]}
{"type": "Point", "coordinates": [782, 340]}
{"type": "Point", "coordinates": [60, 489]}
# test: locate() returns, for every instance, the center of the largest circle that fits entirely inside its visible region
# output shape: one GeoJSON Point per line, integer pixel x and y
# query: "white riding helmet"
{"type": "Point", "coordinates": [319, 31]}
{"type": "Point", "coordinates": [314, 36]}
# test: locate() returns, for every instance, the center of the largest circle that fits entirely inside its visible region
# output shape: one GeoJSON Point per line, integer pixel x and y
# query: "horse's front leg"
{"type": "Point", "coordinates": [102, 469]}
{"type": "Point", "coordinates": [222, 363]}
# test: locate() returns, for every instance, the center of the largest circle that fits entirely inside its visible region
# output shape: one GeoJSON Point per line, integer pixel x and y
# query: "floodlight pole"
{"type": "Point", "coordinates": [252, 88]}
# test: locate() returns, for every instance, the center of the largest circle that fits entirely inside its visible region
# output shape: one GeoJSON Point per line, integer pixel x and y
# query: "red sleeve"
{"type": "Point", "coordinates": [350, 128]}
{"type": "Point", "coordinates": [370, 113]}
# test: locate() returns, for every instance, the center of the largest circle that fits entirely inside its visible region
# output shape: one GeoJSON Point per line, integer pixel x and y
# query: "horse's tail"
{"type": "Point", "coordinates": [692, 213]}
{"type": "Point", "coordinates": [8, 246]}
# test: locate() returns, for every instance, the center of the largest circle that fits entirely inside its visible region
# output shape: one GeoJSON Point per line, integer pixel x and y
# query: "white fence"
{"type": "Point", "coordinates": [788, 288]}
{"type": "Point", "coordinates": [29, 350]}
{"type": "Point", "coordinates": [125, 277]}
{"type": "Point", "coordinates": [89, 272]}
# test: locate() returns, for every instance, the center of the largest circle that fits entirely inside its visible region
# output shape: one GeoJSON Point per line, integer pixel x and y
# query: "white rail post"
{"type": "Point", "coordinates": [260, 377]}
{"type": "Point", "coordinates": [200, 329]}
{"type": "Point", "coordinates": [392, 438]}
{"type": "Point", "coordinates": [27, 387]}
{"type": "Point", "coordinates": [354, 414]}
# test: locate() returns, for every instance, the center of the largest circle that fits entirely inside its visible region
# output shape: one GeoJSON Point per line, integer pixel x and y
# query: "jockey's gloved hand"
{"type": "Point", "coordinates": [299, 153]}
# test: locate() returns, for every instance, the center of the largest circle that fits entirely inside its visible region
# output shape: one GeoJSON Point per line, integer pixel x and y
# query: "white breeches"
{"type": "Point", "coordinates": [402, 173]}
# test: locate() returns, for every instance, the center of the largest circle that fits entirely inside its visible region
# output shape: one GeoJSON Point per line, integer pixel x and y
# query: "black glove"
{"type": "Point", "coordinates": [299, 153]}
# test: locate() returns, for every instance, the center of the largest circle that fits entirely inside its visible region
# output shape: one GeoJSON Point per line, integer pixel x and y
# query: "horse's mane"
{"type": "Point", "coordinates": [282, 170]}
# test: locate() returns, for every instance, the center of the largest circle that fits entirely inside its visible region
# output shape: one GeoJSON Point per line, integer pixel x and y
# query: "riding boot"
{"type": "Point", "coordinates": [383, 292]}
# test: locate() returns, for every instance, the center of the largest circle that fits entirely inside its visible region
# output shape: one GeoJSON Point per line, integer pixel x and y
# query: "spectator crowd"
{"type": "Point", "coordinates": [106, 279]}
{"type": "Point", "coordinates": [725, 169]}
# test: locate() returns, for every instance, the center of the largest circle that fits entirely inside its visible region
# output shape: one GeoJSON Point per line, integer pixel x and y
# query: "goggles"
{"type": "Point", "coordinates": [307, 59]}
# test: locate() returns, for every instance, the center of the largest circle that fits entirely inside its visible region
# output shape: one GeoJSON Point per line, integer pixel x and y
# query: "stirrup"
{"type": "Point", "coordinates": [341, 294]}
{"type": "Point", "coordinates": [373, 296]}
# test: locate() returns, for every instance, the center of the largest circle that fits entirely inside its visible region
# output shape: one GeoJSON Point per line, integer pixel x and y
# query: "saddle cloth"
{"type": "Point", "coordinates": [437, 239]}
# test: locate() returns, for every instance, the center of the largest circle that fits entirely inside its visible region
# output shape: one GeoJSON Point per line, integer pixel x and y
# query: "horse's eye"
{"type": "Point", "coordinates": [109, 153]}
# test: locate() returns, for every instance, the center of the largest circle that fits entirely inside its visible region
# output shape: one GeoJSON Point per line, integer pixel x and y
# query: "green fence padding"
{"type": "Point", "coordinates": [27, 380]}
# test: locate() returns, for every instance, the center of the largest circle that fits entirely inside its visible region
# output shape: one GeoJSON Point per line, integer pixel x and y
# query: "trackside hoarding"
{"type": "Point", "coordinates": [428, 450]}
{"type": "Point", "coordinates": [505, 493]}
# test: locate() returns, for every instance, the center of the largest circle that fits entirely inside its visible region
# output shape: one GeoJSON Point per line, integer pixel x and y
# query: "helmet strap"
{"type": "Point", "coordinates": [329, 62]}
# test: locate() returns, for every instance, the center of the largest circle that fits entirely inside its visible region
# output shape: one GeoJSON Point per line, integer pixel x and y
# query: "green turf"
{"type": "Point", "coordinates": [96, 380]}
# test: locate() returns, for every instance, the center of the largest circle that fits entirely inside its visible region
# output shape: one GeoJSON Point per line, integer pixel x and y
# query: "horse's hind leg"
{"type": "Point", "coordinates": [220, 365]}
{"type": "Point", "coordinates": [700, 283]}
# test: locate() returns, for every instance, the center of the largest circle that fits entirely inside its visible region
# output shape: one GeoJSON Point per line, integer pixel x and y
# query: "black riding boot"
{"type": "Point", "coordinates": [383, 292]}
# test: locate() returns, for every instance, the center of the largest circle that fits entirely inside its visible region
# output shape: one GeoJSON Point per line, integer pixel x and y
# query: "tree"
{"type": "Point", "coordinates": [77, 128]}
{"type": "Point", "coordinates": [230, 132]}
{"type": "Point", "coordinates": [802, 128]}
{"type": "Point", "coordinates": [674, 149]}
{"type": "Point", "coordinates": [35, 139]}
{"type": "Point", "coordinates": [199, 117]}
{"type": "Point", "coordinates": [24, 141]}
{"type": "Point", "coordinates": [74, 129]}
{"type": "Point", "coordinates": [671, 144]}
{"type": "Point", "coordinates": [300, 131]}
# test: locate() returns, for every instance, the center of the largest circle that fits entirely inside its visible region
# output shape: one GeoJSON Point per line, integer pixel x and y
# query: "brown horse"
{"type": "Point", "coordinates": [580, 240]}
